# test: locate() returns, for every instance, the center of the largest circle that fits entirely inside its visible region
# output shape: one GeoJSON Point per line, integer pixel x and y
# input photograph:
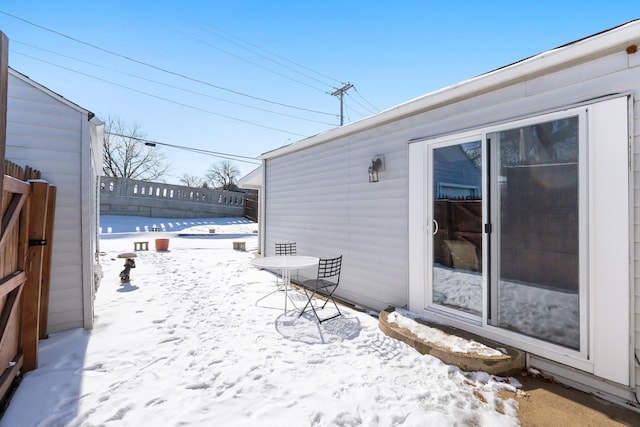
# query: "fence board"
{"type": "Point", "coordinates": [11, 217]}
{"type": "Point", "coordinates": [12, 279]}
{"type": "Point", "coordinates": [14, 185]}
{"type": "Point", "coordinates": [251, 208]}
{"type": "Point", "coordinates": [9, 283]}
{"type": "Point", "coordinates": [6, 379]}
{"type": "Point", "coordinates": [35, 254]}
{"type": "Point", "coordinates": [8, 313]}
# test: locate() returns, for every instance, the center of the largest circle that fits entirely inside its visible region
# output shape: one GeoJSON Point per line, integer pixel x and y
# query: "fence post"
{"type": "Point", "coordinates": [46, 263]}
{"type": "Point", "coordinates": [35, 252]}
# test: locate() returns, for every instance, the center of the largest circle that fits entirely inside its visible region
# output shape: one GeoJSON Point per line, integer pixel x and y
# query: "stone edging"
{"type": "Point", "coordinates": [506, 364]}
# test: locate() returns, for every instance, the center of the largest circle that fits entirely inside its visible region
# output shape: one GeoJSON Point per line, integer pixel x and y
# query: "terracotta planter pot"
{"type": "Point", "coordinates": [162, 244]}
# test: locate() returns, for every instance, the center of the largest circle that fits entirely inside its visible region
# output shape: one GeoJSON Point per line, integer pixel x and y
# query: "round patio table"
{"type": "Point", "coordinates": [286, 263]}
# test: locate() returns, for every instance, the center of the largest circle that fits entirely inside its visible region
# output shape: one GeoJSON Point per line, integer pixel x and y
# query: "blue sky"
{"type": "Point", "coordinates": [244, 77]}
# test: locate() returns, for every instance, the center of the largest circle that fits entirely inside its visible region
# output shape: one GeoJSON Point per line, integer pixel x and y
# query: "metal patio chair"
{"type": "Point", "coordinates": [288, 248]}
{"type": "Point", "coordinates": [282, 249]}
{"type": "Point", "coordinates": [323, 286]}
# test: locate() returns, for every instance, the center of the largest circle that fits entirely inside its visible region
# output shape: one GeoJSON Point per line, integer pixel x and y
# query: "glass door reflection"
{"type": "Point", "coordinates": [456, 176]}
{"type": "Point", "coordinates": [536, 290]}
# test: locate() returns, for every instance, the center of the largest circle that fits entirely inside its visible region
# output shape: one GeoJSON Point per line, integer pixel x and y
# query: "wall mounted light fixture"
{"type": "Point", "coordinates": [377, 164]}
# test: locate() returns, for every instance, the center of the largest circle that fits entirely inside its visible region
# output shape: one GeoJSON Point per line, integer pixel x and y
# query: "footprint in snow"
{"type": "Point", "coordinates": [198, 386]}
{"type": "Point", "coordinates": [170, 339]}
{"type": "Point", "coordinates": [154, 402]}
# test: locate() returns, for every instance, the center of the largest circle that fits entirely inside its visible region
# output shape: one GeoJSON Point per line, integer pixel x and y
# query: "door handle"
{"type": "Point", "coordinates": [435, 226]}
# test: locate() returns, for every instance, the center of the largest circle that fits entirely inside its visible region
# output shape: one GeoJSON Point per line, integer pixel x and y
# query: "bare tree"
{"type": "Point", "coordinates": [223, 175]}
{"type": "Point", "coordinates": [125, 155]}
{"type": "Point", "coordinates": [190, 180]}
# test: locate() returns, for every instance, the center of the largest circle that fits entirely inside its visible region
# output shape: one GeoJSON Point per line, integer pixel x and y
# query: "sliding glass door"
{"type": "Point", "coordinates": [506, 211]}
{"type": "Point", "coordinates": [535, 213]}
{"type": "Point", "coordinates": [522, 232]}
{"type": "Point", "coordinates": [456, 238]}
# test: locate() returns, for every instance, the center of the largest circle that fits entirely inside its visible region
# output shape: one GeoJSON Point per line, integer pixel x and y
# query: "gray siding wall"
{"type": "Point", "coordinates": [46, 134]}
{"type": "Point", "coordinates": [320, 196]}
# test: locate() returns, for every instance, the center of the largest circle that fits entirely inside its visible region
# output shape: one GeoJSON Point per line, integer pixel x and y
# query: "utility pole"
{"type": "Point", "coordinates": [340, 92]}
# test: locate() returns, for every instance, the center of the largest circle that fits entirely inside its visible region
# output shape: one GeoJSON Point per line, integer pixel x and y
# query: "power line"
{"type": "Point", "coordinates": [350, 107]}
{"type": "Point", "coordinates": [254, 63]}
{"type": "Point", "coordinates": [168, 100]}
{"type": "Point", "coordinates": [152, 143]}
{"type": "Point", "coordinates": [276, 55]}
{"type": "Point", "coordinates": [376, 109]}
{"type": "Point", "coordinates": [338, 92]}
{"type": "Point", "coordinates": [370, 108]}
{"type": "Point", "coordinates": [355, 101]}
{"type": "Point", "coordinates": [162, 83]}
{"type": "Point", "coordinates": [164, 70]}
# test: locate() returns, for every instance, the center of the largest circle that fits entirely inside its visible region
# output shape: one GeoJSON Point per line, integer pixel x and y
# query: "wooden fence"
{"type": "Point", "coordinates": [458, 242]}
{"type": "Point", "coordinates": [251, 207]}
{"type": "Point", "coordinates": [27, 204]}
{"type": "Point", "coordinates": [27, 219]}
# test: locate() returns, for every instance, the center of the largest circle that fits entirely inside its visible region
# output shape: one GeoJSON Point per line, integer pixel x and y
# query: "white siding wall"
{"type": "Point", "coordinates": [346, 216]}
{"type": "Point", "coordinates": [320, 196]}
{"type": "Point", "coordinates": [634, 61]}
{"type": "Point", "coordinates": [47, 134]}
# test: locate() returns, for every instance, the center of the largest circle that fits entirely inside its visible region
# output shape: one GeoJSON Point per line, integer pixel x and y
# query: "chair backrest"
{"type": "Point", "coordinates": [286, 248]}
{"type": "Point", "coordinates": [330, 268]}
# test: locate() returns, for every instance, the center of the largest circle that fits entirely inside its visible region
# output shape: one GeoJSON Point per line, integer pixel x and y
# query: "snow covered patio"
{"type": "Point", "coordinates": [185, 344]}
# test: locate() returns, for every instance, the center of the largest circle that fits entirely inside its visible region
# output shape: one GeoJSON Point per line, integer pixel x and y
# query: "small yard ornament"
{"type": "Point", "coordinates": [128, 265]}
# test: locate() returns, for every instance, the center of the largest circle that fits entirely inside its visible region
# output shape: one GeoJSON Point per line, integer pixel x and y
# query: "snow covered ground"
{"type": "Point", "coordinates": [189, 342]}
{"type": "Point", "coordinates": [549, 314]}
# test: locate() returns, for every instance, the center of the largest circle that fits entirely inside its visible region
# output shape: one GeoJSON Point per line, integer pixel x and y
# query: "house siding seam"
{"type": "Point", "coordinates": [635, 144]}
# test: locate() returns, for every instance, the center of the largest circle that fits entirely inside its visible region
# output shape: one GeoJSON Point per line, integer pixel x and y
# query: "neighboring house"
{"type": "Point", "coordinates": [62, 141]}
{"type": "Point", "coordinates": [505, 206]}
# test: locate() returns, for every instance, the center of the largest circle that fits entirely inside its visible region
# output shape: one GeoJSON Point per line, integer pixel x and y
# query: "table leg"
{"type": "Point", "coordinates": [285, 281]}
